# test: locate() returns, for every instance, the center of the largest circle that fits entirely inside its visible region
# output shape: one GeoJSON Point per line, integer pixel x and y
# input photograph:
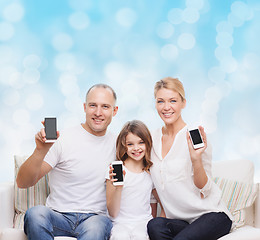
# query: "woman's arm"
{"type": "Point", "coordinates": [113, 195]}
{"type": "Point", "coordinates": [200, 176]}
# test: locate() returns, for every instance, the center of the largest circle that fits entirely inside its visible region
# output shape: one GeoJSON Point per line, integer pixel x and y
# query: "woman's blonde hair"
{"type": "Point", "coordinates": [170, 83]}
{"type": "Point", "coordinates": [139, 129]}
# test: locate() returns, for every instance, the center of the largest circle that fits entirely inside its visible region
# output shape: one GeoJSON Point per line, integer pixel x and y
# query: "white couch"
{"type": "Point", "coordinates": [237, 170]}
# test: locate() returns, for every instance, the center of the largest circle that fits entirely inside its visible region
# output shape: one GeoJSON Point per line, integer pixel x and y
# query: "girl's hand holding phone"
{"type": "Point", "coordinates": [116, 173]}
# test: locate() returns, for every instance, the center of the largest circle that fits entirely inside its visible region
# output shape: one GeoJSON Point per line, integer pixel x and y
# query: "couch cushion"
{"type": "Point", "coordinates": [29, 197]}
{"type": "Point", "coordinates": [18, 234]}
{"type": "Point", "coordinates": [237, 196]}
{"type": "Point", "coordinates": [239, 170]}
{"type": "Point", "coordinates": [243, 233]}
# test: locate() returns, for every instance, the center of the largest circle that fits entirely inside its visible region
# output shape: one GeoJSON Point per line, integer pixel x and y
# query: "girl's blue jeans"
{"type": "Point", "coordinates": [43, 223]}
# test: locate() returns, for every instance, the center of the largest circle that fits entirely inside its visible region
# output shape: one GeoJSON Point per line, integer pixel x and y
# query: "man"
{"type": "Point", "coordinates": [76, 164]}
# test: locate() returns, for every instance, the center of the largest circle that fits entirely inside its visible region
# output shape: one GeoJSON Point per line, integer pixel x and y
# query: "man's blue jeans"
{"type": "Point", "coordinates": [209, 226]}
{"type": "Point", "coordinates": [42, 223]}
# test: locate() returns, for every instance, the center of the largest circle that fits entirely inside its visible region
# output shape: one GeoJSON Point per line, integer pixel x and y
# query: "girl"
{"type": "Point", "coordinates": [182, 175]}
{"type": "Point", "coordinates": [129, 205]}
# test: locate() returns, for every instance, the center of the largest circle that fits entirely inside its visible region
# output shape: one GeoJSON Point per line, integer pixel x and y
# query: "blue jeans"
{"type": "Point", "coordinates": [209, 226]}
{"type": "Point", "coordinates": [42, 223]}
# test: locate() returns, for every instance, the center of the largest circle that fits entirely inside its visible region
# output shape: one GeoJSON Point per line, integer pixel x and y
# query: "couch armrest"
{"type": "Point", "coordinates": [6, 205]}
{"type": "Point", "coordinates": [257, 207]}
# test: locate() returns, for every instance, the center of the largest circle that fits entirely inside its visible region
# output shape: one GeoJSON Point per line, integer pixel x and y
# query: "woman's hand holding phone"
{"type": "Point", "coordinates": [195, 153]}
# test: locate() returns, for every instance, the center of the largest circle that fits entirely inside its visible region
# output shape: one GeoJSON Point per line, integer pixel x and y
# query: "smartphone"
{"type": "Point", "coordinates": [50, 124]}
{"type": "Point", "coordinates": [118, 170]}
{"type": "Point", "coordinates": [196, 138]}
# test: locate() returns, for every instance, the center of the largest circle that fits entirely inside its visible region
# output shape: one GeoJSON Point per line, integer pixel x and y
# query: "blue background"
{"type": "Point", "coordinates": [51, 52]}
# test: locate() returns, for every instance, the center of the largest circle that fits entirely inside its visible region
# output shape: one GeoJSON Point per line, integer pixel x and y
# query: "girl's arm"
{"type": "Point", "coordinates": [113, 195]}
{"type": "Point", "coordinates": [154, 209]}
{"type": "Point", "coordinates": [200, 176]}
{"type": "Point", "coordinates": [154, 192]}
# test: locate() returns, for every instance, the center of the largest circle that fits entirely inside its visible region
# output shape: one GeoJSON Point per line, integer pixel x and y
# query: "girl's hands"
{"type": "Point", "coordinates": [111, 176]}
{"type": "Point", "coordinates": [195, 154]}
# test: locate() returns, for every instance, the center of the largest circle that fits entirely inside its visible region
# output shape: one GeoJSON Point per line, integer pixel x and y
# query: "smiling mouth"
{"type": "Point", "coordinates": [97, 120]}
{"type": "Point", "coordinates": [167, 114]}
{"type": "Point", "coordinates": [137, 154]}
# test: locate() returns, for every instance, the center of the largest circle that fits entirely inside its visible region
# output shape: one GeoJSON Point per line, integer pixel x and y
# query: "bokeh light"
{"type": "Point", "coordinates": [49, 57]}
{"type": "Point", "coordinates": [126, 17]}
{"type": "Point", "coordinates": [186, 41]}
{"type": "Point", "coordinates": [79, 20]}
{"type": "Point", "coordinates": [13, 12]}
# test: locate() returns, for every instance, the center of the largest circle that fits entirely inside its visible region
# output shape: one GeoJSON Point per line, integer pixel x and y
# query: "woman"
{"type": "Point", "coordinates": [182, 176]}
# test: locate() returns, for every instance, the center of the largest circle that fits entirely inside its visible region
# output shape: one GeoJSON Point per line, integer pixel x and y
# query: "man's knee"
{"type": "Point", "coordinates": [96, 227]}
{"type": "Point", "coordinates": [35, 213]}
{"type": "Point", "coordinates": [35, 218]}
{"type": "Point", "coordinates": [99, 222]}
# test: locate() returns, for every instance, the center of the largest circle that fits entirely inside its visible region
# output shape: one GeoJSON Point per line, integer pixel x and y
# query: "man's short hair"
{"type": "Point", "coordinates": [102, 85]}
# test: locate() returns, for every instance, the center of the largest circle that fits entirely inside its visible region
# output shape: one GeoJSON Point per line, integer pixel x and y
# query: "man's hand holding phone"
{"type": "Point", "coordinates": [43, 141]}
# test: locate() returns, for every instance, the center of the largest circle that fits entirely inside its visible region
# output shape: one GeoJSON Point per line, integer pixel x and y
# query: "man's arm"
{"type": "Point", "coordinates": [34, 168]}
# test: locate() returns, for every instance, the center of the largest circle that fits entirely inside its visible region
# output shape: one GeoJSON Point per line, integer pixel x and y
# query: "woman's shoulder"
{"type": "Point", "coordinates": [156, 133]}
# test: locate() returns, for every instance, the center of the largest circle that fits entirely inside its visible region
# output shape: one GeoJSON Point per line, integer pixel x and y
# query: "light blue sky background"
{"type": "Point", "coordinates": [51, 52]}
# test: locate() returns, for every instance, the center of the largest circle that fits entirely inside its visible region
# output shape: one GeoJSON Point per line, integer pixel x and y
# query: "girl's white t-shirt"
{"type": "Point", "coordinates": [79, 161]}
{"type": "Point", "coordinates": [135, 198]}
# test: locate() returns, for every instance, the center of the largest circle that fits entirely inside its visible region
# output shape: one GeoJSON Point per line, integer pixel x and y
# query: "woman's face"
{"type": "Point", "coordinates": [169, 105]}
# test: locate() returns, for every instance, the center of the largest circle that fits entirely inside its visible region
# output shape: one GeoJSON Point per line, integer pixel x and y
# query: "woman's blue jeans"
{"type": "Point", "coordinates": [209, 226]}
{"type": "Point", "coordinates": [42, 223]}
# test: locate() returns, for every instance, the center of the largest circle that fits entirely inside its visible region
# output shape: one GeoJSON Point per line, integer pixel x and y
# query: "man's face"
{"type": "Point", "coordinates": [99, 108]}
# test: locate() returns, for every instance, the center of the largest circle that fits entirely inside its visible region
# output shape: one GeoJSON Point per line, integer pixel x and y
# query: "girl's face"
{"type": "Point", "coordinates": [135, 147]}
{"type": "Point", "coordinates": [169, 105]}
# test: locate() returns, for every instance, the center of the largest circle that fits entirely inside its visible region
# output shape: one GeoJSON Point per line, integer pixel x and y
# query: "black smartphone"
{"type": "Point", "coordinates": [118, 170]}
{"type": "Point", "coordinates": [196, 138]}
{"type": "Point", "coordinates": [50, 124]}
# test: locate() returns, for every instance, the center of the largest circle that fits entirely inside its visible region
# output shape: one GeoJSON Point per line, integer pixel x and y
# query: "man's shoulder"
{"type": "Point", "coordinates": [110, 135]}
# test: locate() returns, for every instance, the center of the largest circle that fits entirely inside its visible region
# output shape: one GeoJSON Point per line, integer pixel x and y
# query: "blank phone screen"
{"type": "Point", "coordinates": [118, 170]}
{"type": "Point", "coordinates": [195, 135]}
{"type": "Point", "coordinates": [50, 128]}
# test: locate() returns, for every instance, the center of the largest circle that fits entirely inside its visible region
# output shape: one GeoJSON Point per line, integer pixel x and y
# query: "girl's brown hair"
{"type": "Point", "coordinates": [139, 129]}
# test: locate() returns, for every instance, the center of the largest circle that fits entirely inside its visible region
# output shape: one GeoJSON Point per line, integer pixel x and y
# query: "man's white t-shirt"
{"type": "Point", "coordinates": [77, 180]}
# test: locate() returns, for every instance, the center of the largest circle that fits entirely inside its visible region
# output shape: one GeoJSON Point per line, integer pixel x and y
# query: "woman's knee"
{"type": "Point", "coordinates": [155, 222]}
{"type": "Point", "coordinates": [155, 225]}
